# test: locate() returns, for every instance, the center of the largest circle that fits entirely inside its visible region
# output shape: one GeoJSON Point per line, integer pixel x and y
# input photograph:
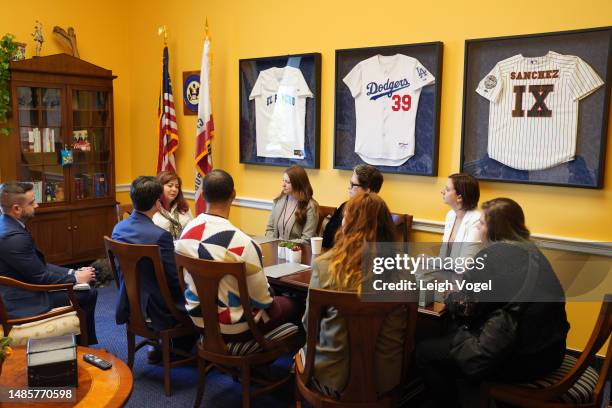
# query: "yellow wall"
{"type": "Point", "coordinates": [122, 36]}
{"type": "Point", "coordinates": [243, 29]}
{"type": "Point", "coordinates": [102, 39]}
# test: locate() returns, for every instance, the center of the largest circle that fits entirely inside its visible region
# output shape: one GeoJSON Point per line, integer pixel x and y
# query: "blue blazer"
{"type": "Point", "coordinates": [140, 229]}
{"type": "Point", "coordinates": [21, 260]}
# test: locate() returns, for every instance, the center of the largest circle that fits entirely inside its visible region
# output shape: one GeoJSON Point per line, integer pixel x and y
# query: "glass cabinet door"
{"type": "Point", "coordinates": [40, 129]}
{"type": "Point", "coordinates": [91, 143]}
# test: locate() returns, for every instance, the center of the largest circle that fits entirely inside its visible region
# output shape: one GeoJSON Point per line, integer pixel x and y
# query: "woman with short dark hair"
{"type": "Point", "coordinates": [461, 239]}
{"type": "Point", "coordinates": [365, 179]}
{"type": "Point", "coordinates": [515, 330]}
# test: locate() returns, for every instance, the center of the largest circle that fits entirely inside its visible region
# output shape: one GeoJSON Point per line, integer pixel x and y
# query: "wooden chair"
{"type": "Point", "coordinates": [324, 211]}
{"type": "Point", "coordinates": [574, 384]}
{"type": "Point", "coordinates": [55, 322]}
{"type": "Point", "coordinates": [364, 321]}
{"type": "Point", "coordinates": [128, 256]}
{"type": "Point", "coordinates": [403, 226]}
{"type": "Point", "coordinates": [123, 210]}
{"type": "Point", "coordinates": [233, 358]}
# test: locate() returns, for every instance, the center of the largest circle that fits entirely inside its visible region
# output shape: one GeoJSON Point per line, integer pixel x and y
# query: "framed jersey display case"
{"type": "Point", "coordinates": [280, 110]}
{"type": "Point", "coordinates": [387, 111]}
{"type": "Point", "coordinates": [535, 108]}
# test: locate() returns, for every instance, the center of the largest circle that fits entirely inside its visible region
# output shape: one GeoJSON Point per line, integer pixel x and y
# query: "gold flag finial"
{"type": "Point", "coordinates": [206, 27]}
{"type": "Point", "coordinates": [163, 30]}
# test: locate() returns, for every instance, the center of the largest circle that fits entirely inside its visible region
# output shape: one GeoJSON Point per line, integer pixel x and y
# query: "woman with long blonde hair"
{"type": "Point", "coordinates": [367, 221]}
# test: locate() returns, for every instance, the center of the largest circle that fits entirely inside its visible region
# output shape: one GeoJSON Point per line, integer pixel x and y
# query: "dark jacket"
{"type": "Point", "coordinates": [140, 229]}
{"type": "Point", "coordinates": [329, 233]}
{"type": "Point", "coordinates": [21, 260]}
{"type": "Point", "coordinates": [525, 285]}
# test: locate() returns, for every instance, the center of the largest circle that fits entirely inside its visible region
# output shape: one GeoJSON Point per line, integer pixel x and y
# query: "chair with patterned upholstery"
{"type": "Point", "coordinates": [236, 359]}
{"type": "Point", "coordinates": [55, 322]}
{"type": "Point", "coordinates": [574, 384]}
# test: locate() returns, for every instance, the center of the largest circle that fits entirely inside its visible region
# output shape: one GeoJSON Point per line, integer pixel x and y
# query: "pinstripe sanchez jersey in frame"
{"type": "Point", "coordinates": [533, 114]}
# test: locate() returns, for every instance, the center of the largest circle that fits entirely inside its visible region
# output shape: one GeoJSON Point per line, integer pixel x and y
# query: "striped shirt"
{"type": "Point", "coordinates": [533, 115]}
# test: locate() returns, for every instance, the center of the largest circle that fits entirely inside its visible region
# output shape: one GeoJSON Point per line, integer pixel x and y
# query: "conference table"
{"type": "Point", "coordinates": [430, 316]}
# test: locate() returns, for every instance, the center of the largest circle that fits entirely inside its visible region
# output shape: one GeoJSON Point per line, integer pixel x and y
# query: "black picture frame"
{"type": "Point", "coordinates": [424, 162]}
{"type": "Point", "coordinates": [586, 170]}
{"type": "Point", "coordinates": [249, 69]}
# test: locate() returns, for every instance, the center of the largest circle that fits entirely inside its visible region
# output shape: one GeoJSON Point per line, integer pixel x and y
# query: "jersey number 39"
{"type": "Point", "coordinates": [401, 102]}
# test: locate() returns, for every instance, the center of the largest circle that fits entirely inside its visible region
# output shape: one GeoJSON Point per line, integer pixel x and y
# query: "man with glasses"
{"type": "Point", "coordinates": [20, 259]}
{"type": "Point", "coordinates": [365, 179]}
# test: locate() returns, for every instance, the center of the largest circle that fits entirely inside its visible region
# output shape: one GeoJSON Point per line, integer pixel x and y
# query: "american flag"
{"type": "Point", "coordinates": [168, 132]}
{"type": "Point", "coordinates": [203, 154]}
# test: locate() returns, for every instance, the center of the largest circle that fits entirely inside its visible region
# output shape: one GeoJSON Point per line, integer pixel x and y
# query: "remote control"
{"type": "Point", "coordinates": [97, 361]}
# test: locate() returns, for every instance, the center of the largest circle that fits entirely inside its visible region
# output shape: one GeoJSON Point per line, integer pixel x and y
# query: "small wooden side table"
{"type": "Point", "coordinates": [97, 388]}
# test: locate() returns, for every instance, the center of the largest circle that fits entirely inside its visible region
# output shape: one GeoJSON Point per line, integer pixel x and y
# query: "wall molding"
{"type": "Point", "coordinates": [437, 227]}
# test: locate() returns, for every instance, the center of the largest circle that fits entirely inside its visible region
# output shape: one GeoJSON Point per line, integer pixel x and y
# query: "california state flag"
{"type": "Point", "coordinates": [203, 150]}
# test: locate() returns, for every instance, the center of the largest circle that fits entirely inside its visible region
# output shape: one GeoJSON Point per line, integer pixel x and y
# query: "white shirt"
{"type": "Point", "coordinates": [467, 239]}
{"type": "Point", "coordinates": [386, 91]}
{"type": "Point", "coordinates": [280, 111]}
{"type": "Point", "coordinates": [533, 114]}
{"type": "Point", "coordinates": [162, 222]}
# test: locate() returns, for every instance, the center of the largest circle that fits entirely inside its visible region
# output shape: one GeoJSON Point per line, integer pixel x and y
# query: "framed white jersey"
{"type": "Point", "coordinates": [533, 111]}
{"type": "Point", "coordinates": [386, 90]}
{"type": "Point", "coordinates": [280, 109]}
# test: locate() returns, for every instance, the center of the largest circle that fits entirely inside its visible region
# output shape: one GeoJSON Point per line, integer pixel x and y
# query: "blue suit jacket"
{"type": "Point", "coordinates": [21, 260]}
{"type": "Point", "coordinates": [140, 229]}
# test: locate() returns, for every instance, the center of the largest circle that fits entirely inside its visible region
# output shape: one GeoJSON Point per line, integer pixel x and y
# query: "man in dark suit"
{"type": "Point", "coordinates": [21, 260]}
{"type": "Point", "coordinates": [139, 228]}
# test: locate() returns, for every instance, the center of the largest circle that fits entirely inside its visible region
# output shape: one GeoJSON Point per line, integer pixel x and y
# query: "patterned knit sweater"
{"type": "Point", "coordinates": [215, 238]}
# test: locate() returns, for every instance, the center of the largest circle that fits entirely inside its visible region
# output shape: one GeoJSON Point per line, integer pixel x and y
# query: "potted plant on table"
{"type": "Point", "coordinates": [295, 253]}
{"type": "Point", "coordinates": [5, 350]}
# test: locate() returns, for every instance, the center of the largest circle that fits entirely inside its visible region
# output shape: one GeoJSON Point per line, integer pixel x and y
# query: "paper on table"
{"type": "Point", "coordinates": [262, 240]}
{"type": "Point", "coordinates": [284, 269]}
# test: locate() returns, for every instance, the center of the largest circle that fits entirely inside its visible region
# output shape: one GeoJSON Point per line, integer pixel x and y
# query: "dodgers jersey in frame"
{"type": "Point", "coordinates": [386, 90]}
{"type": "Point", "coordinates": [280, 110]}
{"type": "Point", "coordinates": [533, 114]}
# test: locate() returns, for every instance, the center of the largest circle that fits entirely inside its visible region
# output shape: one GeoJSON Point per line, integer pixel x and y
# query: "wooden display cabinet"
{"type": "Point", "coordinates": [60, 101]}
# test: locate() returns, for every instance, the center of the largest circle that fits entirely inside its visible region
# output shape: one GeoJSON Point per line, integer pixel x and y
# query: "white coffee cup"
{"type": "Point", "coordinates": [315, 244]}
{"type": "Point", "coordinates": [281, 252]}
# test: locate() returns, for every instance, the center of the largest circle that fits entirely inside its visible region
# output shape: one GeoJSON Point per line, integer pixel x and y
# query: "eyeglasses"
{"type": "Point", "coordinates": [353, 185]}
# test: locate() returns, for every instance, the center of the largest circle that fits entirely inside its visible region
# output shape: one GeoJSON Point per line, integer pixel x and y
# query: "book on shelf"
{"type": "Point", "coordinates": [37, 188]}
{"type": "Point", "coordinates": [100, 184]}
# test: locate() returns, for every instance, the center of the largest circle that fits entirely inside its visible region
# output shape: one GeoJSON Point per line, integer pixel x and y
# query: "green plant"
{"type": "Point", "coordinates": [8, 48]}
{"type": "Point", "coordinates": [5, 350]}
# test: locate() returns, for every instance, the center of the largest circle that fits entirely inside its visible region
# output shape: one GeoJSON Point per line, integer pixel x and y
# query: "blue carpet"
{"type": "Point", "coordinates": [220, 390]}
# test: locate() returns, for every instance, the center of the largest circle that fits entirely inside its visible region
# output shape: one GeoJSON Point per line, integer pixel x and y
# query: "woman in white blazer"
{"type": "Point", "coordinates": [461, 237]}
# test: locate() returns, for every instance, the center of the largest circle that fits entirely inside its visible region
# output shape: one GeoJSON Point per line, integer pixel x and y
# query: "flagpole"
{"type": "Point", "coordinates": [163, 30]}
{"type": "Point", "coordinates": [168, 131]}
{"type": "Point", "coordinates": [205, 127]}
